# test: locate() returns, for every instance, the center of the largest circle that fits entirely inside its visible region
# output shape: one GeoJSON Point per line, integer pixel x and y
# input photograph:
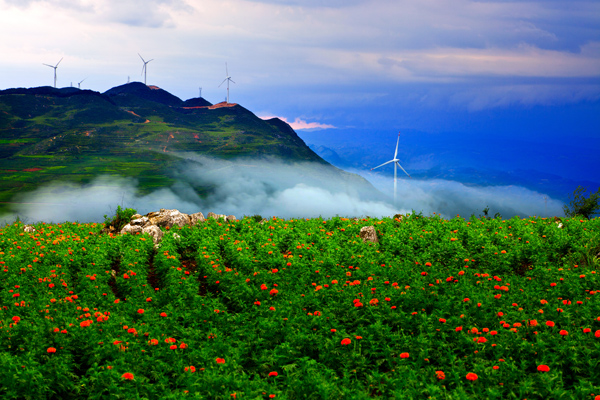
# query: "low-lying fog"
{"type": "Point", "coordinates": [271, 188]}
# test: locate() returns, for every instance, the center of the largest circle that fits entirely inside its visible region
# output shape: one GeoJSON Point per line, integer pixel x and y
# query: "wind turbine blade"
{"type": "Point", "coordinates": [143, 68]}
{"type": "Point", "coordinates": [397, 142]}
{"type": "Point", "coordinates": [149, 61]}
{"type": "Point", "coordinates": [224, 80]}
{"type": "Point", "coordinates": [51, 66]}
{"type": "Point", "coordinates": [231, 80]}
{"type": "Point", "coordinates": [403, 169]}
{"type": "Point", "coordinates": [226, 70]}
{"type": "Point", "coordinates": [59, 62]}
{"type": "Point", "coordinates": [142, 58]}
{"type": "Point", "coordinates": [382, 164]}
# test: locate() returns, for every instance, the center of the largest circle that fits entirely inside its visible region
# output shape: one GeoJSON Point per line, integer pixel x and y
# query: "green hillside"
{"type": "Point", "coordinates": [132, 130]}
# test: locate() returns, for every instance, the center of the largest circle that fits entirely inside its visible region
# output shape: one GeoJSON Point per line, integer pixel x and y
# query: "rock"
{"type": "Point", "coordinates": [142, 221]}
{"type": "Point", "coordinates": [216, 216]}
{"type": "Point", "coordinates": [131, 229]}
{"type": "Point", "coordinates": [155, 232]}
{"type": "Point", "coordinates": [153, 221]}
{"type": "Point", "coordinates": [197, 217]}
{"type": "Point", "coordinates": [367, 233]}
{"type": "Point", "coordinates": [168, 218]}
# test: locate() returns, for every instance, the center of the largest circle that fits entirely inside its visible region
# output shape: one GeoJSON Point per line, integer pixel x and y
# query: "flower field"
{"type": "Point", "coordinates": [286, 309]}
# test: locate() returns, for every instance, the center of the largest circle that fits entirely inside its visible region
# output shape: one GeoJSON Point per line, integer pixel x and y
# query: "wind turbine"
{"type": "Point", "coordinates": [144, 67]}
{"type": "Point", "coordinates": [80, 82]}
{"type": "Point", "coordinates": [396, 163]}
{"type": "Point", "coordinates": [54, 66]}
{"type": "Point", "coordinates": [228, 78]}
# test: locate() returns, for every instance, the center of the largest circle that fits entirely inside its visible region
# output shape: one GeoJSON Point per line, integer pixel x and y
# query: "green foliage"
{"type": "Point", "coordinates": [302, 309]}
{"type": "Point", "coordinates": [582, 206]}
{"type": "Point", "coordinates": [120, 219]}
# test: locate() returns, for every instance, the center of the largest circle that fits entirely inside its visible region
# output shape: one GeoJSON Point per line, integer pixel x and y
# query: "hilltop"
{"type": "Point", "coordinates": [134, 130]}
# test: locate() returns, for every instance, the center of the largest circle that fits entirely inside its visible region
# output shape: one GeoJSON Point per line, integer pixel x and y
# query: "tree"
{"type": "Point", "coordinates": [580, 205]}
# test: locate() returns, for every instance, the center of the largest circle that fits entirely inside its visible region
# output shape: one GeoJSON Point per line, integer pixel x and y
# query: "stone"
{"type": "Point", "coordinates": [368, 234]}
{"type": "Point", "coordinates": [197, 217]}
{"type": "Point", "coordinates": [155, 232]}
{"type": "Point", "coordinates": [169, 218]}
{"type": "Point", "coordinates": [216, 216]}
{"type": "Point", "coordinates": [131, 229]}
{"type": "Point", "coordinates": [142, 221]}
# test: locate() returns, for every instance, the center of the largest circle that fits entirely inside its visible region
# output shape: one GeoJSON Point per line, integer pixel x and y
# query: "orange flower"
{"type": "Point", "coordinates": [51, 350]}
{"type": "Point", "coordinates": [440, 375]}
{"type": "Point", "coordinates": [127, 375]}
{"type": "Point", "coordinates": [346, 342]}
{"type": "Point", "coordinates": [472, 377]}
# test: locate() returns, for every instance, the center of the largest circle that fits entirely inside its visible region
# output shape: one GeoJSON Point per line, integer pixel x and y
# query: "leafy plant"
{"type": "Point", "coordinates": [580, 205]}
{"type": "Point", "coordinates": [120, 219]}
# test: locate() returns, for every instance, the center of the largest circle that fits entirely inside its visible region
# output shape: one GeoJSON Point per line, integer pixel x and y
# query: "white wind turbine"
{"type": "Point", "coordinates": [396, 163]}
{"type": "Point", "coordinates": [54, 66]}
{"type": "Point", "coordinates": [80, 82]}
{"type": "Point", "coordinates": [227, 78]}
{"type": "Point", "coordinates": [144, 69]}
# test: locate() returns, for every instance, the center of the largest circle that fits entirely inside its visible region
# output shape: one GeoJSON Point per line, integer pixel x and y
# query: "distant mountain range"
{"type": "Point", "coordinates": [133, 130]}
{"type": "Point", "coordinates": [545, 169]}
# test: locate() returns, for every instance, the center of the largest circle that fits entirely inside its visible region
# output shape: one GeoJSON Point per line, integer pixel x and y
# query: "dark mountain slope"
{"type": "Point", "coordinates": [132, 130]}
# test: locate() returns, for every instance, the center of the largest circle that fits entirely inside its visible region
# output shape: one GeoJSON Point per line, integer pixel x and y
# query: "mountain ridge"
{"type": "Point", "coordinates": [131, 130]}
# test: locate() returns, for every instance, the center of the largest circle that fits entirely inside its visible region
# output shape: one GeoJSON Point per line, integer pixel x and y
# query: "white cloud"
{"type": "Point", "coordinates": [300, 124]}
{"type": "Point", "coordinates": [271, 188]}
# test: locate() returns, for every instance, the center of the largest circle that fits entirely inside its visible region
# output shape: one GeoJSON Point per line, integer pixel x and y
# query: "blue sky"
{"type": "Point", "coordinates": [512, 77]}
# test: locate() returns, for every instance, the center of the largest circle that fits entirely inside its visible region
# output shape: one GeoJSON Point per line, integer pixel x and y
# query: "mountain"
{"type": "Point", "coordinates": [466, 158]}
{"type": "Point", "coordinates": [134, 130]}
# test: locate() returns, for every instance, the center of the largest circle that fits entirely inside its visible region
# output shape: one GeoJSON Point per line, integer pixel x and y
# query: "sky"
{"type": "Point", "coordinates": [522, 76]}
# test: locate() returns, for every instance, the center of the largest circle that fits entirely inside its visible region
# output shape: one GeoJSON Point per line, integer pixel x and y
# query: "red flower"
{"type": "Point", "coordinates": [273, 292]}
{"type": "Point", "coordinates": [220, 361]}
{"type": "Point", "coordinates": [563, 332]}
{"type": "Point", "coordinates": [16, 319]}
{"type": "Point", "coordinates": [404, 355]}
{"type": "Point", "coordinates": [346, 342]}
{"type": "Point", "coordinates": [51, 350]}
{"type": "Point", "coordinates": [440, 375]}
{"type": "Point", "coordinates": [458, 328]}
{"type": "Point", "coordinates": [173, 347]}
{"type": "Point", "coordinates": [550, 323]}
{"type": "Point", "coordinates": [140, 311]}
{"type": "Point", "coordinates": [127, 375]}
{"type": "Point", "coordinates": [543, 368]}
{"type": "Point", "coordinates": [273, 373]}
{"type": "Point", "coordinates": [471, 376]}
{"type": "Point", "coordinates": [442, 320]}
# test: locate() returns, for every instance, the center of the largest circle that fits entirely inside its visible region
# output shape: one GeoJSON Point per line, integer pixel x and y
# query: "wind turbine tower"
{"type": "Point", "coordinates": [54, 66]}
{"type": "Point", "coordinates": [396, 163]}
{"type": "Point", "coordinates": [228, 79]}
{"type": "Point", "coordinates": [79, 83]}
{"type": "Point", "coordinates": [144, 69]}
